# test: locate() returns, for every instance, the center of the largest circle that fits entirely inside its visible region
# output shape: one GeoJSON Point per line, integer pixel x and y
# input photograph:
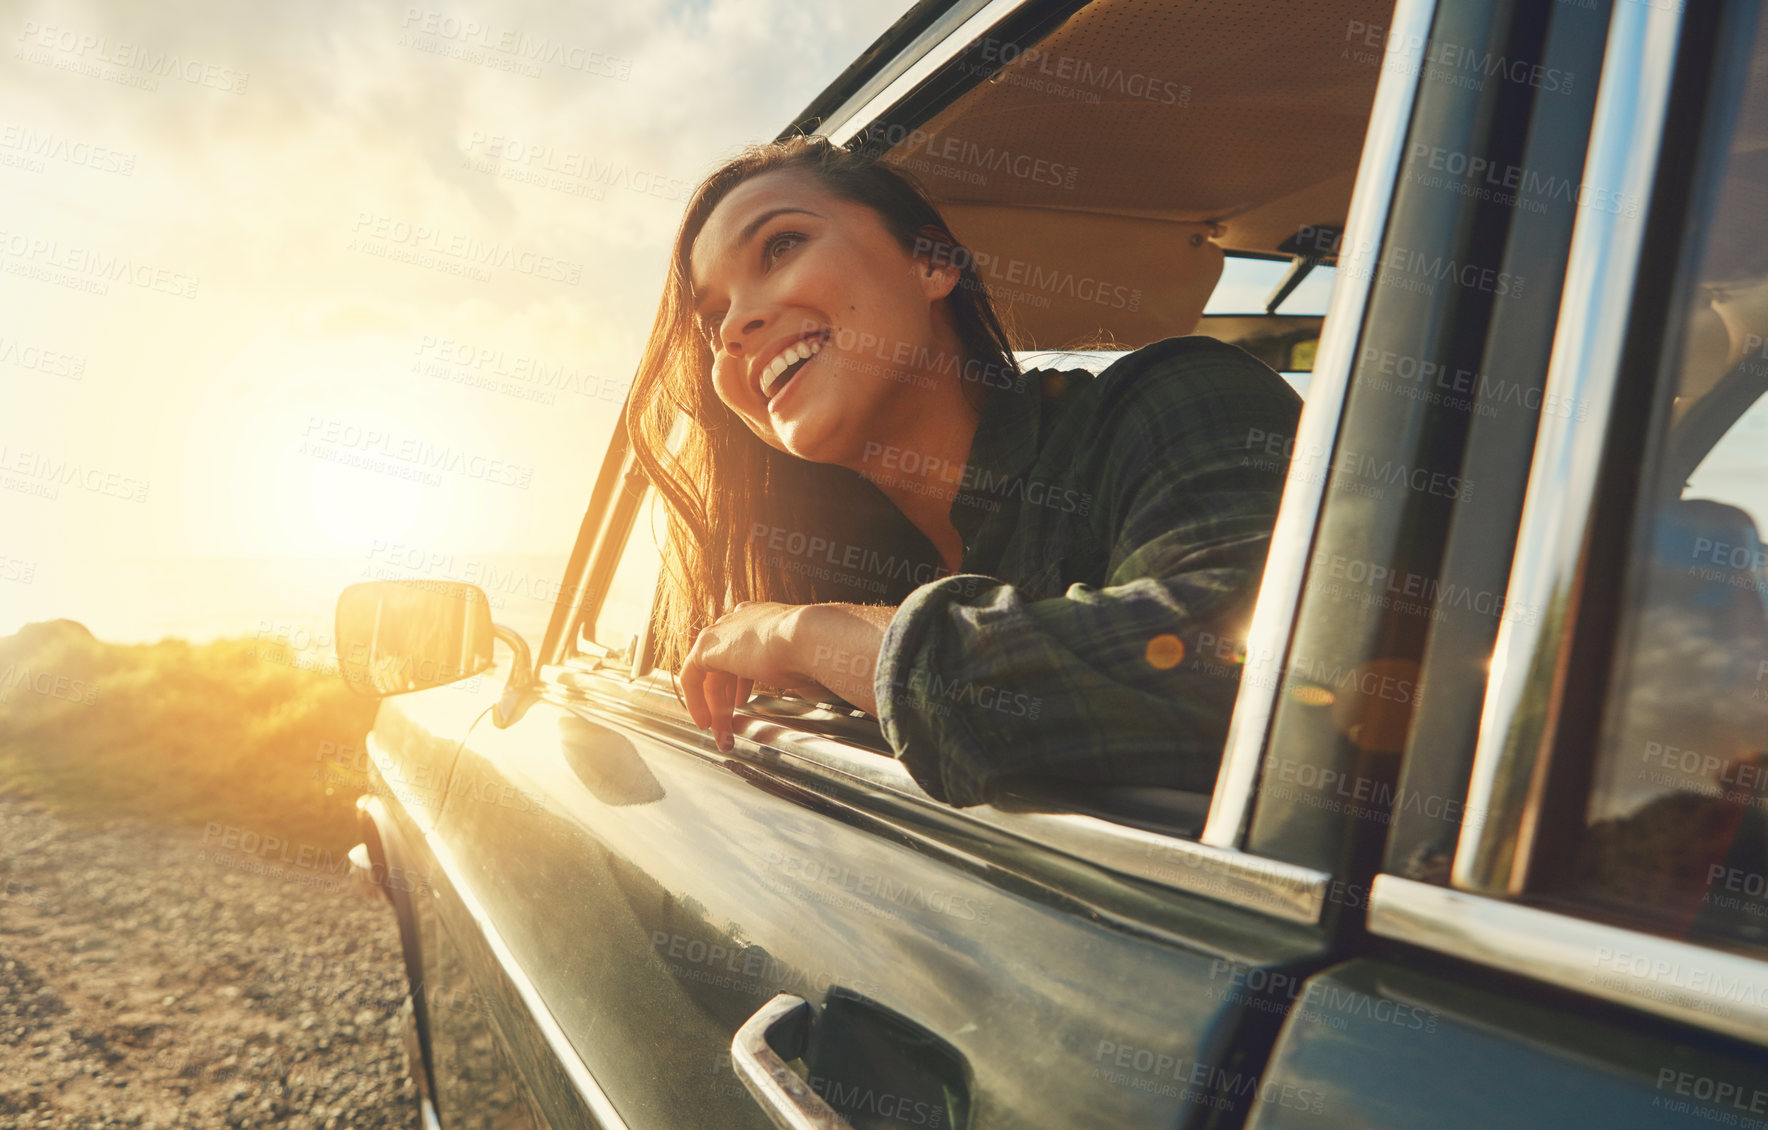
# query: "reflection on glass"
{"type": "Point", "coordinates": [1677, 821]}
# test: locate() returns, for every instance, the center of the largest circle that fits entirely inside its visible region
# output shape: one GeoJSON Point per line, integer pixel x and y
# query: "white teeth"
{"type": "Point", "coordinates": [788, 357]}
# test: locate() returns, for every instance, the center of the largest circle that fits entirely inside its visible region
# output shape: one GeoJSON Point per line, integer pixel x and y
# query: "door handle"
{"type": "Point", "coordinates": [788, 1100]}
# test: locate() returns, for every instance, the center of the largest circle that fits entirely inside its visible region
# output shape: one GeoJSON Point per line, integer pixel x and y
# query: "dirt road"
{"type": "Point", "coordinates": [148, 981]}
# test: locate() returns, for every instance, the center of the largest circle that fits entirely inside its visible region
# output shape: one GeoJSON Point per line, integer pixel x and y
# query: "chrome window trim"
{"type": "Point", "coordinates": [1273, 619]}
{"type": "Point", "coordinates": [1499, 828]}
{"type": "Point", "coordinates": [847, 121]}
{"type": "Point", "coordinates": [589, 1092]}
{"type": "Point", "coordinates": [1268, 886]}
{"type": "Point", "coordinates": [1691, 984]}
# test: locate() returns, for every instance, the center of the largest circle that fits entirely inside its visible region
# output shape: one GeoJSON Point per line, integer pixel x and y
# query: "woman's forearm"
{"type": "Point", "coordinates": [837, 644]}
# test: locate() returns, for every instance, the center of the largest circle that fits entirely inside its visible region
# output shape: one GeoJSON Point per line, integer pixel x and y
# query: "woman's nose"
{"type": "Point", "coordinates": [735, 345]}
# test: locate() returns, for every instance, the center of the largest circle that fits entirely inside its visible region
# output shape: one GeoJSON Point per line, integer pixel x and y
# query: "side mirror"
{"type": "Point", "coordinates": [400, 636]}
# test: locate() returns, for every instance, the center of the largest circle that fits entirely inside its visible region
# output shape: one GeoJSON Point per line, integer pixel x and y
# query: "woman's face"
{"type": "Point", "coordinates": [783, 267]}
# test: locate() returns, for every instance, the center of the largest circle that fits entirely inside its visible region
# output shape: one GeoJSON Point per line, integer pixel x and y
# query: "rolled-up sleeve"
{"type": "Point", "coordinates": [1124, 682]}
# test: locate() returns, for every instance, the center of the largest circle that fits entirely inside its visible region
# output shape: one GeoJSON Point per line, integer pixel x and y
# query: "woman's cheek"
{"type": "Point", "coordinates": [727, 379]}
{"type": "Point", "coordinates": [730, 380]}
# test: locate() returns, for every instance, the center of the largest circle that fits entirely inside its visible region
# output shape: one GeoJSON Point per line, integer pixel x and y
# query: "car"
{"type": "Point", "coordinates": [1487, 846]}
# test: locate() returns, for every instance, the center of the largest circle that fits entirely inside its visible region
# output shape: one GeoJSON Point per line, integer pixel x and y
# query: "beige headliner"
{"type": "Point", "coordinates": [1245, 117]}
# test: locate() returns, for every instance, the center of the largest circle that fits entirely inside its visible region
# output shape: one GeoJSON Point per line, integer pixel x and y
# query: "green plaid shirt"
{"type": "Point", "coordinates": [1115, 530]}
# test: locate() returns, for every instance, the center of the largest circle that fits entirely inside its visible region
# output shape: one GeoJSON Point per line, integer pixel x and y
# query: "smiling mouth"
{"type": "Point", "coordinates": [787, 365]}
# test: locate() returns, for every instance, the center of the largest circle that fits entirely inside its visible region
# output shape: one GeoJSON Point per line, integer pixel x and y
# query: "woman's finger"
{"type": "Point", "coordinates": [721, 690]}
{"type": "Point", "coordinates": [693, 689]}
{"type": "Point", "coordinates": [745, 687]}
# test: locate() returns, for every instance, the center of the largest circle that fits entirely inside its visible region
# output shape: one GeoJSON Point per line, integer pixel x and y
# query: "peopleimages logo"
{"type": "Point", "coordinates": [1035, 278]}
{"type": "Point", "coordinates": [1514, 184]}
{"type": "Point", "coordinates": [963, 152]}
{"type": "Point", "coordinates": [860, 559]}
{"type": "Point", "coordinates": [46, 683]}
{"type": "Point", "coordinates": [36, 146]}
{"type": "Point", "coordinates": [1449, 62]}
{"type": "Point", "coordinates": [375, 230]}
{"type": "Point", "coordinates": [86, 268]}
{"type": "Point", "coordinates": [333, 434]}
{"type": "Point", "coordinates": [942, 694]}
{"type": "Point", "coordinates": [874, 886]}
{"type": "Point", "coordinates": [45, 475]}
{"type": "Point", "coordinates": [973, 478]}
{"type": "Point", "coordinates": [521, 49]}
{"type": "Point", "coordinates": [1079, 72]}
{"type": "Point", "coordinates": [142, 66]}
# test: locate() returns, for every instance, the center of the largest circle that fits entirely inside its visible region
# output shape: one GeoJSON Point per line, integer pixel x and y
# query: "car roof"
{"type": "Point", "coordinates": [1262, 138]}
{"type": "Point", "coordinates": [1112, 161]}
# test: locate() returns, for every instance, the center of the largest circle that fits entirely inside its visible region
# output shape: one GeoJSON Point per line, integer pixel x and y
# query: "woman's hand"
{"type": "Point", "coordinates": [751, 643]}
{"type": "Point", "coordinates": [808, 649]}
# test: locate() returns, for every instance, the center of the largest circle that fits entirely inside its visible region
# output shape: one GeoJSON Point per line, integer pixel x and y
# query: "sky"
{"type": "Point", "coordinates": [344, 280]}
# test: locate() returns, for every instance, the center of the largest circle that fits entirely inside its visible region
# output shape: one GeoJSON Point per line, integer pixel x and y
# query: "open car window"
{"type": "Point", "coordinates": [1133, 240]}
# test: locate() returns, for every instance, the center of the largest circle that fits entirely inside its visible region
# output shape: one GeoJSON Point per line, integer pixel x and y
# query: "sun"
{"type": "Point", "coordinates": [354, 506]}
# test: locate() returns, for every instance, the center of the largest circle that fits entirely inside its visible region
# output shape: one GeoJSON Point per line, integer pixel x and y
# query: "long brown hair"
{"type": "Point", "coordinates": [749, 522]}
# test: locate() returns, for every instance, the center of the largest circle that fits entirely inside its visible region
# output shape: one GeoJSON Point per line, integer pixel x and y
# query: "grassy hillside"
{"type": "Point", "coordinates": [225, 732]}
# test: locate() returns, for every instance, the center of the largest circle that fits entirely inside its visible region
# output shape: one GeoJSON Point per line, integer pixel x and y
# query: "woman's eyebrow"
{"type": "Point", "coordinates": [747, 234]}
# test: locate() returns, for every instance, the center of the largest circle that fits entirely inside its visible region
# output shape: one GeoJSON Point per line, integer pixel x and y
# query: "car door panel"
{"type": "Point", "coordinates": [410, 757]}
{"type": "Point", "coordinates": [660, 893]}
{"type": "Point", "coordinates": [418, 735]}
{"type": "Point", "coordinates": [1423, 1045]}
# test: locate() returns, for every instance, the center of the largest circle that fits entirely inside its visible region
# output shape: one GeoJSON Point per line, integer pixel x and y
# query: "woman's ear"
{"type": "Point", "coordinates": [938, 262]}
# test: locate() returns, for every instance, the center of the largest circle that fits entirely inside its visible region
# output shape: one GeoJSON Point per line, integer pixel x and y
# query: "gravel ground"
{"type": "Point", "coordinates": [148, 980]}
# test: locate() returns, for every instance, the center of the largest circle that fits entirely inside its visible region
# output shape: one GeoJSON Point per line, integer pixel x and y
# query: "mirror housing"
{"type": "Point", "coordinates": [394, 637]}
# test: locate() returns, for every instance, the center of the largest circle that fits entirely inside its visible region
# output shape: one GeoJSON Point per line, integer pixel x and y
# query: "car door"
{"type": "Point", "coordinates": [1582, 941]}
{"type": "Point", "coordinates": [658, 893]}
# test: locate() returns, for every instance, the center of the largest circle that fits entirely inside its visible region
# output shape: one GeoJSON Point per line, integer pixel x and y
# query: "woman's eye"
{"type": "Point", "coordinates": [776, 245]}
{"type": "Point", "coordinates": [775, 242]}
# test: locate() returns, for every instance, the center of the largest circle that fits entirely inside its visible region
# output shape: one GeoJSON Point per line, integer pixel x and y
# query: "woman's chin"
{"type": "Point", "coordinates": [807, 444]}
{"type": "Point", "coordinates": [813, 437]}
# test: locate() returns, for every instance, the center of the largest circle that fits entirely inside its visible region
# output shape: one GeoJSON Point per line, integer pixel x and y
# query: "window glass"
{"type": "Point", "coordinates": [626, 608]}
{"type": "Point", "coordinates": [1676, 830]}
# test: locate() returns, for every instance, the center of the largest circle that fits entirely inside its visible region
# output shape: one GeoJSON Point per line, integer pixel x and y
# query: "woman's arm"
{"type": "Point", "coordinates": [1131, 680]}
{"type": "Point", "coordinates": [802, 647]}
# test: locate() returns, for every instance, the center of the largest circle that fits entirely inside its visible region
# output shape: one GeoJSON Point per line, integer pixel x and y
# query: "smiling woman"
{"type": "Point", "coordinates": [1030, 559]}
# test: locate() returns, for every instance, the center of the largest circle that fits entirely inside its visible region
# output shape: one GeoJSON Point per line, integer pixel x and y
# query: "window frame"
{"type": "Point", "coordinates": [1657, 86]}
{"type": "Point", "coordinates": [1214, 865]}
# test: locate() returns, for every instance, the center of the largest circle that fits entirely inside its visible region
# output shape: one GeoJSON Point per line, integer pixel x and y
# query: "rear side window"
{"type": "Point", "coordinates": [1675, 831]}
